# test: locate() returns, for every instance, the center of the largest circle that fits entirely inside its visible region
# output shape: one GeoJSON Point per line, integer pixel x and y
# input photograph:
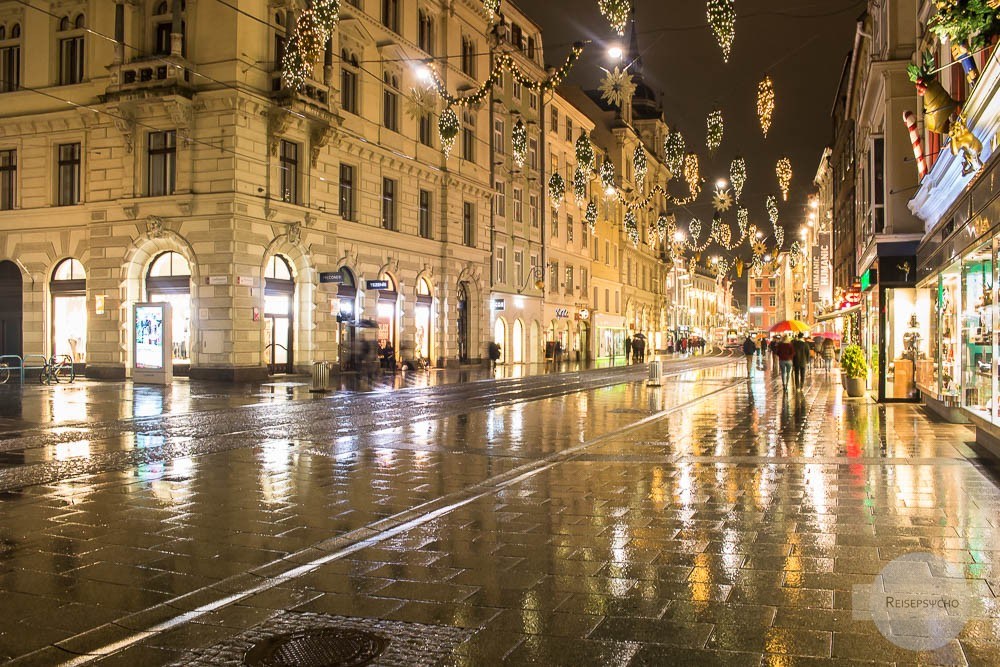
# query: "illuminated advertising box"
{"type": "Point", "coordinates": [152, 344]}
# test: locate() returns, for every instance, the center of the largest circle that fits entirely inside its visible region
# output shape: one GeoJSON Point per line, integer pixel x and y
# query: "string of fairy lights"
{"type": "Point", "coordinates": [315, 26]}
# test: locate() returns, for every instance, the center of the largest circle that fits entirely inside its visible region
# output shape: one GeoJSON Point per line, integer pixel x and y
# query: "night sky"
{"type": "Point", "coordinates": [802, 44]}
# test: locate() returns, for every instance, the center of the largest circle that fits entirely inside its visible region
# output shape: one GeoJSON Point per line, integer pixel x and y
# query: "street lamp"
{"type": "Point", "coordinates": [615, 52]}
{"type": "Point", "coordinates": [539, 275]}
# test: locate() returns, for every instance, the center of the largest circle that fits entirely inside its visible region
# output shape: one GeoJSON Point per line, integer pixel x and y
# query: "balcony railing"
{"type": "Point", "coordinates": [160, 71]}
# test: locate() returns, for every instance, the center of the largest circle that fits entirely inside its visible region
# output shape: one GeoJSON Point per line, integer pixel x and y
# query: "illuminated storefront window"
{"type": "Point", "coordinates": [69, 310]}
{"type": "Point", "coordinates": [279, 292]}
{"type": "Point", "coordinates": [423, 317]}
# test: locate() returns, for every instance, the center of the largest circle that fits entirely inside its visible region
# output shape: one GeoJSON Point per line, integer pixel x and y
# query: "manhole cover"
{"type": "Point", "coordinates": [330, 647]}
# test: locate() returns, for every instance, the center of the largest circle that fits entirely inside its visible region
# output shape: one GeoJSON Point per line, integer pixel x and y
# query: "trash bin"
{"type": "Point", "coordinates": [321, 377]}
{"type": "Point", "coordinates": [655, 370]}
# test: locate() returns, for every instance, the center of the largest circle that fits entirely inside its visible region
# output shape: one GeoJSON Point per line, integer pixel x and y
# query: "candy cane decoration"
{"type": "Point", "coordinates": [910, 119]}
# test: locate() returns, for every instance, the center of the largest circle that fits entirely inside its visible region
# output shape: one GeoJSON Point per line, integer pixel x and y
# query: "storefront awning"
{"type": "Point", "coordinates": [838, 313]}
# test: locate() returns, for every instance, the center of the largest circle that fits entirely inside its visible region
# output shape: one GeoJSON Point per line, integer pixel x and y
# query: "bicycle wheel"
{"type": "Point", "coordinates": [63, 373]}
{"type": "Point", "coordinates": [4, 373]}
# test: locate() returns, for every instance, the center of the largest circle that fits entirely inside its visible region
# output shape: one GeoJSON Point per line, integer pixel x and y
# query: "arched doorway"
{"type": "Point", "coordinates": [517, 342]}
{"type": "Point", "coordinates": [347, 302]}
{"type": "Point", "coordinates": [169, 279]}
{"type": "Point", "coordinates": [279, 297]}
{"type": "Point", "coordinates": [69, 310]}
{"type": "Point", "coordinates": [500, 338]}
{"type": "Point", "coordinates": [11, 309]}
{"type": "Point", "coordinates": [423, 317]}
{"type": "Point", "coordinates": [463, 322]}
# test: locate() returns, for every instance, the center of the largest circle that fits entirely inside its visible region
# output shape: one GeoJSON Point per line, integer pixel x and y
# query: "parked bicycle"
{"type": "Point", "coordinates": [58, 368]}
{"type": "Point", "coordinates": [4, 372]}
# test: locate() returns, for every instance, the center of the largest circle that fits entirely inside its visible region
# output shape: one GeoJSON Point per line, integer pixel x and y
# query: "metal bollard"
{"type": "Point", "coordinates": [655, 371]}
{"type": "Point", "coordinates": [320, 377]}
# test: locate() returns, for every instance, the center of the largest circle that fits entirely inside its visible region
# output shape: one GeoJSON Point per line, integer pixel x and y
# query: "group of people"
{"type": "Point", "coordinates": [635, 349]}
{"type": "Point", "coordinates": [684, 345]}
{"type": "Point", "coordinates": [790, 356]}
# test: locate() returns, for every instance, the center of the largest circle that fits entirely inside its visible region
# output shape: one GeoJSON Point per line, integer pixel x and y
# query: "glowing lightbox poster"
{"type": "Point", "coordinates": [151, 343]}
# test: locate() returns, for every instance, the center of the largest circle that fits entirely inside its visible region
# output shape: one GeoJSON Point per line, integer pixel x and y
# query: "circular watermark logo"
{"type": "Point", "coordinates": [918, 602]}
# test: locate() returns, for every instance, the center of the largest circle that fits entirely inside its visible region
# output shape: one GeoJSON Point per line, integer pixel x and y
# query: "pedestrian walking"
{"type": "Point", "coordinates": [749, 350]}
{"type": "Point", "coordinates": [785, 353]}
{"type": "Point", "coordinates": [628, 349]}
{"type": "Point", "coordinates": [493, 352]}
{"type": "Point", "coordinates": [775, 362]}
{"type": "Point", "coordinates": [828, 354]}
{"type": "Point", "coordinates": [801, 361]}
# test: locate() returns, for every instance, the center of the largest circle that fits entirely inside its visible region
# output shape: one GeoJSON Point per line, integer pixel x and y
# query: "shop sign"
{"type": "Point", "coordinates": [245, 281]}
{"type": "Point", "coordinates": [499, 304]}
{"type": "Point", "coordinates": [331, 277]}
{"type": "Point", "coordinates": [217, 280]}
{"type": "Point", "coordinates": [584, 314]}
{"type": "Point", "coordinates": [377, 284]}
{"type": "Point", "coordinates": [562, 313]}
{"type": "Point", "coordinates": [868, 278]}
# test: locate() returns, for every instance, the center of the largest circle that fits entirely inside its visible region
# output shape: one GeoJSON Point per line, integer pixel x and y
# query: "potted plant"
{"type": "Point", "coordinates": [852, 363]}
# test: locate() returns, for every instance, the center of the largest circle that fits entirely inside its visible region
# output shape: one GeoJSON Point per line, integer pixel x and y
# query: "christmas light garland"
{"type": "Point", "coordinates": [662, 226]}
{"type": "Point", "coordinates": [616, 12]}
{"type": "Point", "coordinates": [519, 143]}
{"type": "Point", "coordinates": [580, 180]}
{"type": "Point", "coordinates": [591, 216]}
{"type": "Point", "coordinates": [639, 165]}
{"type": "Point", "coordinates": [673, 151]}
{"type": "Point", "coordinates": [557, 190]}
{"type": "Point", "coordinates": [492, 8]}
{"type": "Point", "coordinates": [714, 130]}
{"type": "Point", "coordinates": [771, 204]}
{"type": "Point", "coordinates": [448, 128]}
{"type": "Point", "coordinates": [307, 42]}
{"type": "Point", "coordinates": [503, 63]}
{"type": "Point", "coordinates": [608, 176]}
{"type": "Point", "coordinates": [738, 176]}
{"type": "Point", "coordinates": [632, 228]}
{"type": "Point", "coordinates": [722, 20]}
{"type": "Point", "coordinates": [765, 104]}
{"type": "Point", "coordinates": [694, 229]}
{"type": "Point", "coordinates": [584, 154]}
{"type": "Point", "coordinates": [783, 170]}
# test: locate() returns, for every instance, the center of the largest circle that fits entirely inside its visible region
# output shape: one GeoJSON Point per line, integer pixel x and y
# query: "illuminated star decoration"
{"type": "Point", "coordinates": [557, 190]}
{"type": "Point", "coordinates": [738, 176]}
{"type": "Point", "coordinates": [617, 88]}
{"type": "Point", "coordinates": [307, 42]}
{"type": "Point", "coordinates": [784, 172]}
{"type": "Point", "coordinates": [765, 104]}
{"type": "Point", "coordinates": [714, 129]}
{"type": "Point", "coordinates": [673, 151]}
{"type": "Point", "coordinates": [616, 12]}
{"type": "Point", "coordinates": [722, 201]}
{"type": "Point", "coordinates": [519, 143]}
{"type": "Point", "coordinates": [448, 127]}
{"type": "Point", "coordinates": [722, 19]}
{"type": "Point", "coordinates": [639, 163]}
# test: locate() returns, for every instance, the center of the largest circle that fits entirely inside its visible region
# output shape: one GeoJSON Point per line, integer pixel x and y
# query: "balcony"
{"type": "Point", "coordinates": [313, 95]}
{"type": "Point", "coordinates": [159, 73]}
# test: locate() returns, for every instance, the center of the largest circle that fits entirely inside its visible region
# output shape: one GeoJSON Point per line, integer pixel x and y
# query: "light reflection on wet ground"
{"type": "Point", "coordinates": [728, 533]}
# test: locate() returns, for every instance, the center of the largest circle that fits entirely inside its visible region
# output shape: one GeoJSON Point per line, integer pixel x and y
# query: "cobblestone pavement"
{"type": "Point", "coordinates": [575, 520]}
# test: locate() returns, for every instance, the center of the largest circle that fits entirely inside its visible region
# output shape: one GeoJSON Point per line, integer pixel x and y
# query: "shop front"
{"type": "Point", "coordinates": [610, 336]}
{"type": "Point", "coordinates": [958, 268]}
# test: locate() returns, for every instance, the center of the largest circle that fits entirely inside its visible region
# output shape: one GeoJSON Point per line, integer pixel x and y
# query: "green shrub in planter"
{"type": "Point", "coordinates": [852, 362]}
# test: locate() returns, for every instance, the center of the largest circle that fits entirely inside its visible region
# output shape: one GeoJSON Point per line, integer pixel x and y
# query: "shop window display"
{"type": "Point", "coordinates": [906, 341]}
{"type": "Point", "coordinates": [69, 310]}
{"type": "Point", "coordinates": [977, 321]}
{"type": "Point", "coordinates": [948, 354]}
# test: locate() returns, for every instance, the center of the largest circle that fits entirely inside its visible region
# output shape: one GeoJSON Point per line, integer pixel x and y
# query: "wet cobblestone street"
{"type": "Point", "coordinates": [578, 518]}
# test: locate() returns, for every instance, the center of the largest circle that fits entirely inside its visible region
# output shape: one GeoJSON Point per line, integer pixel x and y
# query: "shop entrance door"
{"type": "Point", "coordinates": [278, 320]}
{"type": "Point", "coordinates": [11, 309]}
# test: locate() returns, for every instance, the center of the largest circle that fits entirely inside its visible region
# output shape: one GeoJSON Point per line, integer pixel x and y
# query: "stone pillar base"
{"type": "Point", "coordinates": [104, 372]}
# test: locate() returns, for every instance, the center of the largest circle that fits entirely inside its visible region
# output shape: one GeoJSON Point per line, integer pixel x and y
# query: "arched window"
{"type": "Point", "coordinates": [280, 40]}
{"type": "Point", "coordinates": [423, 316]}
{"type": "Point", "coordinates": [71, 50]}
{"type": "Point", "coordinates": [163, 18]}
{"type": "Point", "coordinates": [10, 58]}
{"type": "Point", "coordinates": [425, 31]}
{"type": "Point", "coordinates": [69, 310]}
{"type": "Point", "coordinates": [348, 81]}
{"type": "Point", "coordinates": [390, 101]}
{"type": "Point", "coordinates": [278, 268]}
{"type": "Point", "coordinates": [79, 23]}
{"type": "Point", "coordinates": [386, 311]}
{"type": "Point", "coordinates": [169, 279]}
